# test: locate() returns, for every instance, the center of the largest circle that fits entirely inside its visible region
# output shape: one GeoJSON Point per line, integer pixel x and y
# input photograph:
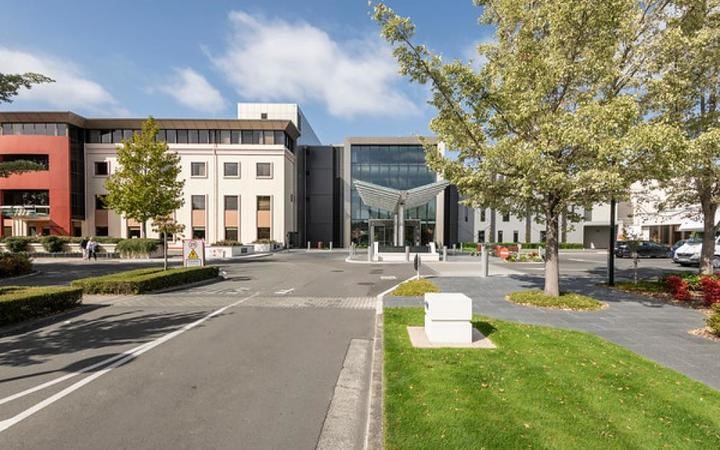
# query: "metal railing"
{"type": "Point", "coordinates": [24, 210]}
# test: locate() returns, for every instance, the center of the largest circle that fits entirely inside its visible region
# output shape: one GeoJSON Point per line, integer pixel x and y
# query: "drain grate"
{"type": "Point", "coordinates": [337, 270]}
{"type": "Point", "coordinates": [366, 283]}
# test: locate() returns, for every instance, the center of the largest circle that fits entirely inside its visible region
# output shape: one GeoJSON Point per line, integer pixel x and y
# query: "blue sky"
{"type": "Point", "coordinates": [198, 59]}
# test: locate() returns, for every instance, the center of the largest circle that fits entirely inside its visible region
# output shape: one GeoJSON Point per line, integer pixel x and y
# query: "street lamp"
{"type": "Point", "coordinates": [611, 248]}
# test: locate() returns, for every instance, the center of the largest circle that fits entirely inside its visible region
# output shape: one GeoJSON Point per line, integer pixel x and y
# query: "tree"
{"type": "Point", "coordinates": [146, 184]}
{"type": "Point", "coordinates": [550, 120]}
{"type": "Point", "coordinates": [10, 84]}
{"type": "Point", "coordinates": [685, 93]}
{"type": "Point", "coordinates": [167, 225]}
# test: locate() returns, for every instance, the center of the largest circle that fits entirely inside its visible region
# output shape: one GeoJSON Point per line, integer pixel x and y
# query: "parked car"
{"type": "Point", "coordinates": [644, 249]}
{"type": "Point", "coordinates": [679, 244]}
{"type": "Point", "coordinates": [688, 254]}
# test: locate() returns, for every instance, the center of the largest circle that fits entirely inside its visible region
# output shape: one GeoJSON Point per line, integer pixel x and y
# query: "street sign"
{"type": "Point", "coordinates": [193, 252]}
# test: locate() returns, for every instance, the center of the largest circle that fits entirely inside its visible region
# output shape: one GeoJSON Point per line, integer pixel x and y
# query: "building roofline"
{"type": "Point", "coordinates": [136, 123]}
{"type": "Point", "coordinates": [389, 140]}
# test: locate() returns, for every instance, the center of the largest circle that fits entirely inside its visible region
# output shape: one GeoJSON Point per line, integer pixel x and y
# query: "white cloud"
{"type": "Point", "coordinates": [191, 89]}
{"type": "Point", "coordinates": [471, 55]}
{"type": "Point", "coordinates": [71, 89]}
{"type": "Point", "coordinates": [278, 60]}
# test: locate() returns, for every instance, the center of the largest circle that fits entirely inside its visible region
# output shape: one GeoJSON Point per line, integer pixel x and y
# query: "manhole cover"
{"type": "Point", "coordinates": [366, 283]}
{"type": "Point", "coordinates": [337, 270]}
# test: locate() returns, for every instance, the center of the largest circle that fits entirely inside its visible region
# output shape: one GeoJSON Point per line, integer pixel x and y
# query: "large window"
{"type": "Point", "coordinates": [231, 233]}
{"type": "Point", "coordinates": [231, 170]}
{"type": "Point", "coordinates": [264, 170]}
{"type": "Point", "coordinates": [264, 216]}
{"type": "Point", "coordinates": [198, 169]}
{"type": "Point", "coordinates": [198, 232]}
{"type": "Point", "coordinates": [231, 203]}
{"type": "Point", "coordinates": [37, 129]}
{"type": "Point", "coordinates": [399, 167]}
{"type": "Point", "coordinates": [506, 217]}
{"type": "Point", "coordinates": [197, 202]}
{"type": "Point", "coordinates": [100, 202]}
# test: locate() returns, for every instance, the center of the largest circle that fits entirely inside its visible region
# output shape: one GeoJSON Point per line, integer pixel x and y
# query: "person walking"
{"type": "Point", "coordinates": [92, 249]}
{"type": "Point", "coordinates": [83, 246]}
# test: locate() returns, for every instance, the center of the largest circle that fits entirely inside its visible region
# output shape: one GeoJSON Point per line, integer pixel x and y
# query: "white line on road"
{"type": "Point", "coordinates": [284, 291]}
{"type": "Point", "coordinates": [584, 261]}
{"type": "Point", "coordinates": [388, 277]}
{"type": "Point", "coordinates": [114, 362]}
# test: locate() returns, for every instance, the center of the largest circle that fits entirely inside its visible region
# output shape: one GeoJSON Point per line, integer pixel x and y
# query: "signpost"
{"type": "Point", "coordinates": [193, 252]}
{"type": "Point", "coordinates": [416, 264]}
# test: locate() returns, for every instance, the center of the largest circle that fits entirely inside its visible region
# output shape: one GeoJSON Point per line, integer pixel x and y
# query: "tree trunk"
{"type": "Point", "coordinates": [528, 227]}
{"type": "Point", "coordinates": [143, 229]}
{"type": "Point", "coordinates": [165, 257]}
{"type": "Point", "coordinates": [708, 245]}
{"type": "Point", "coordinates": [492, 226]}
{"type": "Point", "coordinates": [552, 261]}
{"type": "Point", "coordinates": [564, 228]}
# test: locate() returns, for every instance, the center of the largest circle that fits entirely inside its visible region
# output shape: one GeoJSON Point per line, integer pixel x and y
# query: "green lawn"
{"type": "Point", "coordinates": [566, 300]}
{"type": "Point", "coordinates": [415, 288]}
{"type": "Point", "coordinates": [541, 388]}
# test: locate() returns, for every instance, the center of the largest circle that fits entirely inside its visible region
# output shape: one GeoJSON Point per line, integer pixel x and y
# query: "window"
{"type": "Point", "coordinates": [542, 235]}
{"type": "Point", "coordinates": [171, 136]}
{"type": "Point", "coordinates": [133, 232]}
{"type": "Point", "coordinates": [257, 137]}
{"type": "Point", "coordinates": [182, 136]}
{"type": "Point", "coordinates": [224, 136]}
{"type": "Point", "coordinates": [264, 217]}
{"type": "Point", "coordinates": [198, 169]}
{"type": "Point", "coordinates": [231, 169]}
{"type": "Point", "coordinates": [263, 203]}
{"type": "Point", "coordinates": [247, 136]}
{"type": "Point", "coordinates": [500, 236]}
{"type": "Point", "coordinates": [588, 215]}
{"type": "Point", "coordinates": [231, 234]}
{"type": "Point", "coordinates": [481, 236]}
{"type": "Point", "coordinates": [263, 115]}
{"type": "Point", "coordinates": [269, 138]}
{"type": "Point", "coordinates": [231, 203]}
{"type": "Point", "coordinates": [516, 236]}
{"type": "Point", "coordinates": [100, 202]}
{"type": "Point", "coordinates": [263, 233]}
{"type": "Point", "coordinates": [264, 170]}
{"type": "Point", "coordinates": [101, 168]}
{"type": "Point", "coordinates": [197, 202]}
{"type": "Point", "coordinates": [280, 138]}
{"type": "Point", "coordinates": [506, 218]}
{"type": "Point", "coordinates": [204, 136]}
{"type": "Point", "coordinates": [192, 136]}
{"type": "Point", "coordinates": [198, 233]}
{"type": "Point", "coordinates": [235, 137]}
{"type": "Point", "coordinates": [170, 237]}
{"type": "Point", "coordinates": [466, 213]}
{"type": "Point", "coordinates": [482, 215]}
{"type": "Point", "coordinates": [101, 231]}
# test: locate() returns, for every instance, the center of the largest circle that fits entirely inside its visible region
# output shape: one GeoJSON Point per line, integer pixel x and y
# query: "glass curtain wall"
{"type": "Point", "coordinates": [396, 166]}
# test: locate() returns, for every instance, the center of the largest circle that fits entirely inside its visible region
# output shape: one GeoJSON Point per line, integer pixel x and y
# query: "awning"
{"type": "Point", "coordinates": [389, 199]}
{"type": "Point", "coordinates": [696, 224]}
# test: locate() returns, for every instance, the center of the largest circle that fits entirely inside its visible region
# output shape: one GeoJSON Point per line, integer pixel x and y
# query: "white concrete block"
{"type": "Point", "coordinates": [448, 332]}
{"type": "Point", "coordinates": [448, 306]}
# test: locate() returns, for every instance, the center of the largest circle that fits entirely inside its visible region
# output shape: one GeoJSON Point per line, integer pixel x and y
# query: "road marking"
{"type": "Point", "coordinates": [114, 362]}
{"type": "Point", "coordinates": [584, 260]}
{"type": "Point", "coordinates": [388, 277]}
{"type": "Point", "coordinates": [284, 291]}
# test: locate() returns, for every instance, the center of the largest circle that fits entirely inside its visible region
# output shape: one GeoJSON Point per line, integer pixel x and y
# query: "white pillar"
{"type": "Point", "coordinates": [401, 225]}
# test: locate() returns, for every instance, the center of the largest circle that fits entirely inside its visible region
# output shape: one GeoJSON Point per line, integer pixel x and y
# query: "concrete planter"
{"type": "Point", "coordinates": [228, 251]}
{"type": "Point", "coordinates": [264, 248]}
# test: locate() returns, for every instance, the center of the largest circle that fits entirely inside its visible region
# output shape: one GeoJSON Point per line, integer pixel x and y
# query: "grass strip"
{"type": "Point", "coordinates": [566, 300]}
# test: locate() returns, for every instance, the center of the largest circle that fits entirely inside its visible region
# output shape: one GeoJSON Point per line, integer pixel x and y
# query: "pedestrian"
{"type": "Point", "coordinates": [92, 249]}
{"type": "Point", "coordinates": [83, 246]}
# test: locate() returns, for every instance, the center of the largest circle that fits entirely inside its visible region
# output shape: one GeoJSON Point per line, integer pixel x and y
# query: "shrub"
{"type": "Point", "coordinates": [678, 287]}
{"type": "Point", "coordinates": [137, 248]}
{"type": "Point", "coordinates": [264, 241]}
{"type": "Point", "coordinates": [144, 280]}
{"type": "Point", "coordinates": [566, 300]}
{"type": "Point", "coordinates": [415, 288]}
{"type": "Point", "coordinates": [53, 244]}
{"type": "Point", "coordinates": [17, 244]}
{"type": "Point", "coordinates": [711, 289]}
{"type": "Point", "coordinates": [227, 243]}
{"type": "Point", "coordinates": [713, 322]}
{"type": "Point", "coordinates": [13, 264]}
{"type": "Point", "coordinates": [21, 302]}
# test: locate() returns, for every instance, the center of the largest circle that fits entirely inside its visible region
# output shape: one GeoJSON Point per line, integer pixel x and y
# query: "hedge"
{"type": "Point", "coordinates": [137, 247]}
{"type": "Point", "coordinates": [144, 280]}
{"type": "Point", "coordinates": [13, 264]}
{"type": "Point", "coordinates": [227, 243]}
{"type": "Point", "coordinates": [19, 303]}
{"type": "Point", "coordinates": [54, 244]}
{"type": "Point", "coordinates": [16, 244]}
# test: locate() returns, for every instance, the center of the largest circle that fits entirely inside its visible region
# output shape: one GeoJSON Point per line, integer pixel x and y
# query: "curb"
{"type": "Point", "coordinates": [20, 277]}
{"type": "Point", "coordinates": [186, 286]}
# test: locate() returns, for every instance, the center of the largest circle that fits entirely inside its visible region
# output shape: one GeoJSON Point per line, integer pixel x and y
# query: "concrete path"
{"type": "Point", "coordinates": [653, 329]}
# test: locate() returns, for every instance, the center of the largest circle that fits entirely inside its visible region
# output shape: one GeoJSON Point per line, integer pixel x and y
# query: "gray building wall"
{"type": "Point", "coordinates": [322, 203]}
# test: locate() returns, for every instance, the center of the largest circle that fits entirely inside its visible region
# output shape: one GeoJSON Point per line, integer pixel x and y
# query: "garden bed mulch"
{"type": "Point", "coordinates": [705, 333]}
{"type": "Point", "coordinates": [696, 301]}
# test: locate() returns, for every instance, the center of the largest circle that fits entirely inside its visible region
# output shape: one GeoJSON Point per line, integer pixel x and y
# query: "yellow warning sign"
{"type": "Point", "coordinates": [193, 254]}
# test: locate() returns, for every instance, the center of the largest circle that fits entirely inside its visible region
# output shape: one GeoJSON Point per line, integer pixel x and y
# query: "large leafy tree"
{"type": "Point", "coordinates": [10, 84]}
{"type": "Point", "coordinates": [146, 185]}
{"type": "Point", "coordinates": [550, 120]}
{"type": "Point", "coordinates": [686, 93]}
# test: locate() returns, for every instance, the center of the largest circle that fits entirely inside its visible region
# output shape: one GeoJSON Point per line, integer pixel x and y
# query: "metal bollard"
{"type": "Point", "coordinates": [370, 251]}
{"type": "Point", "coordinates": [444, 253]}
{"type": "Point", "coordinates": [308, 246]}
{"type": "Point", "coordinates": [407, 253]}
{"type": "Point", "coordinates": [330, 245]}
{"type": "Point", "coordinates": [484, 262]}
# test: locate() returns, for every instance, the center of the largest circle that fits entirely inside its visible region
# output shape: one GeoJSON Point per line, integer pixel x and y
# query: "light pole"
{"type": "Point", "coordinates": [611, 248]}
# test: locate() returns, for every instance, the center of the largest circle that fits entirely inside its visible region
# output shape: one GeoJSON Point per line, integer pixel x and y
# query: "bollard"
{"type": "Point", "coordinates": [308, 246]}
{"type": "Point", "coordinates": [407, 253]}
{"type": "Point", "coordinates": [330, 245]}
{"type": "Point", "coordinates": [444, 253]}
{"type": "Point", "coordinates": [370, 249]}
{"type": "Point", "coordinates": [484, 262]}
